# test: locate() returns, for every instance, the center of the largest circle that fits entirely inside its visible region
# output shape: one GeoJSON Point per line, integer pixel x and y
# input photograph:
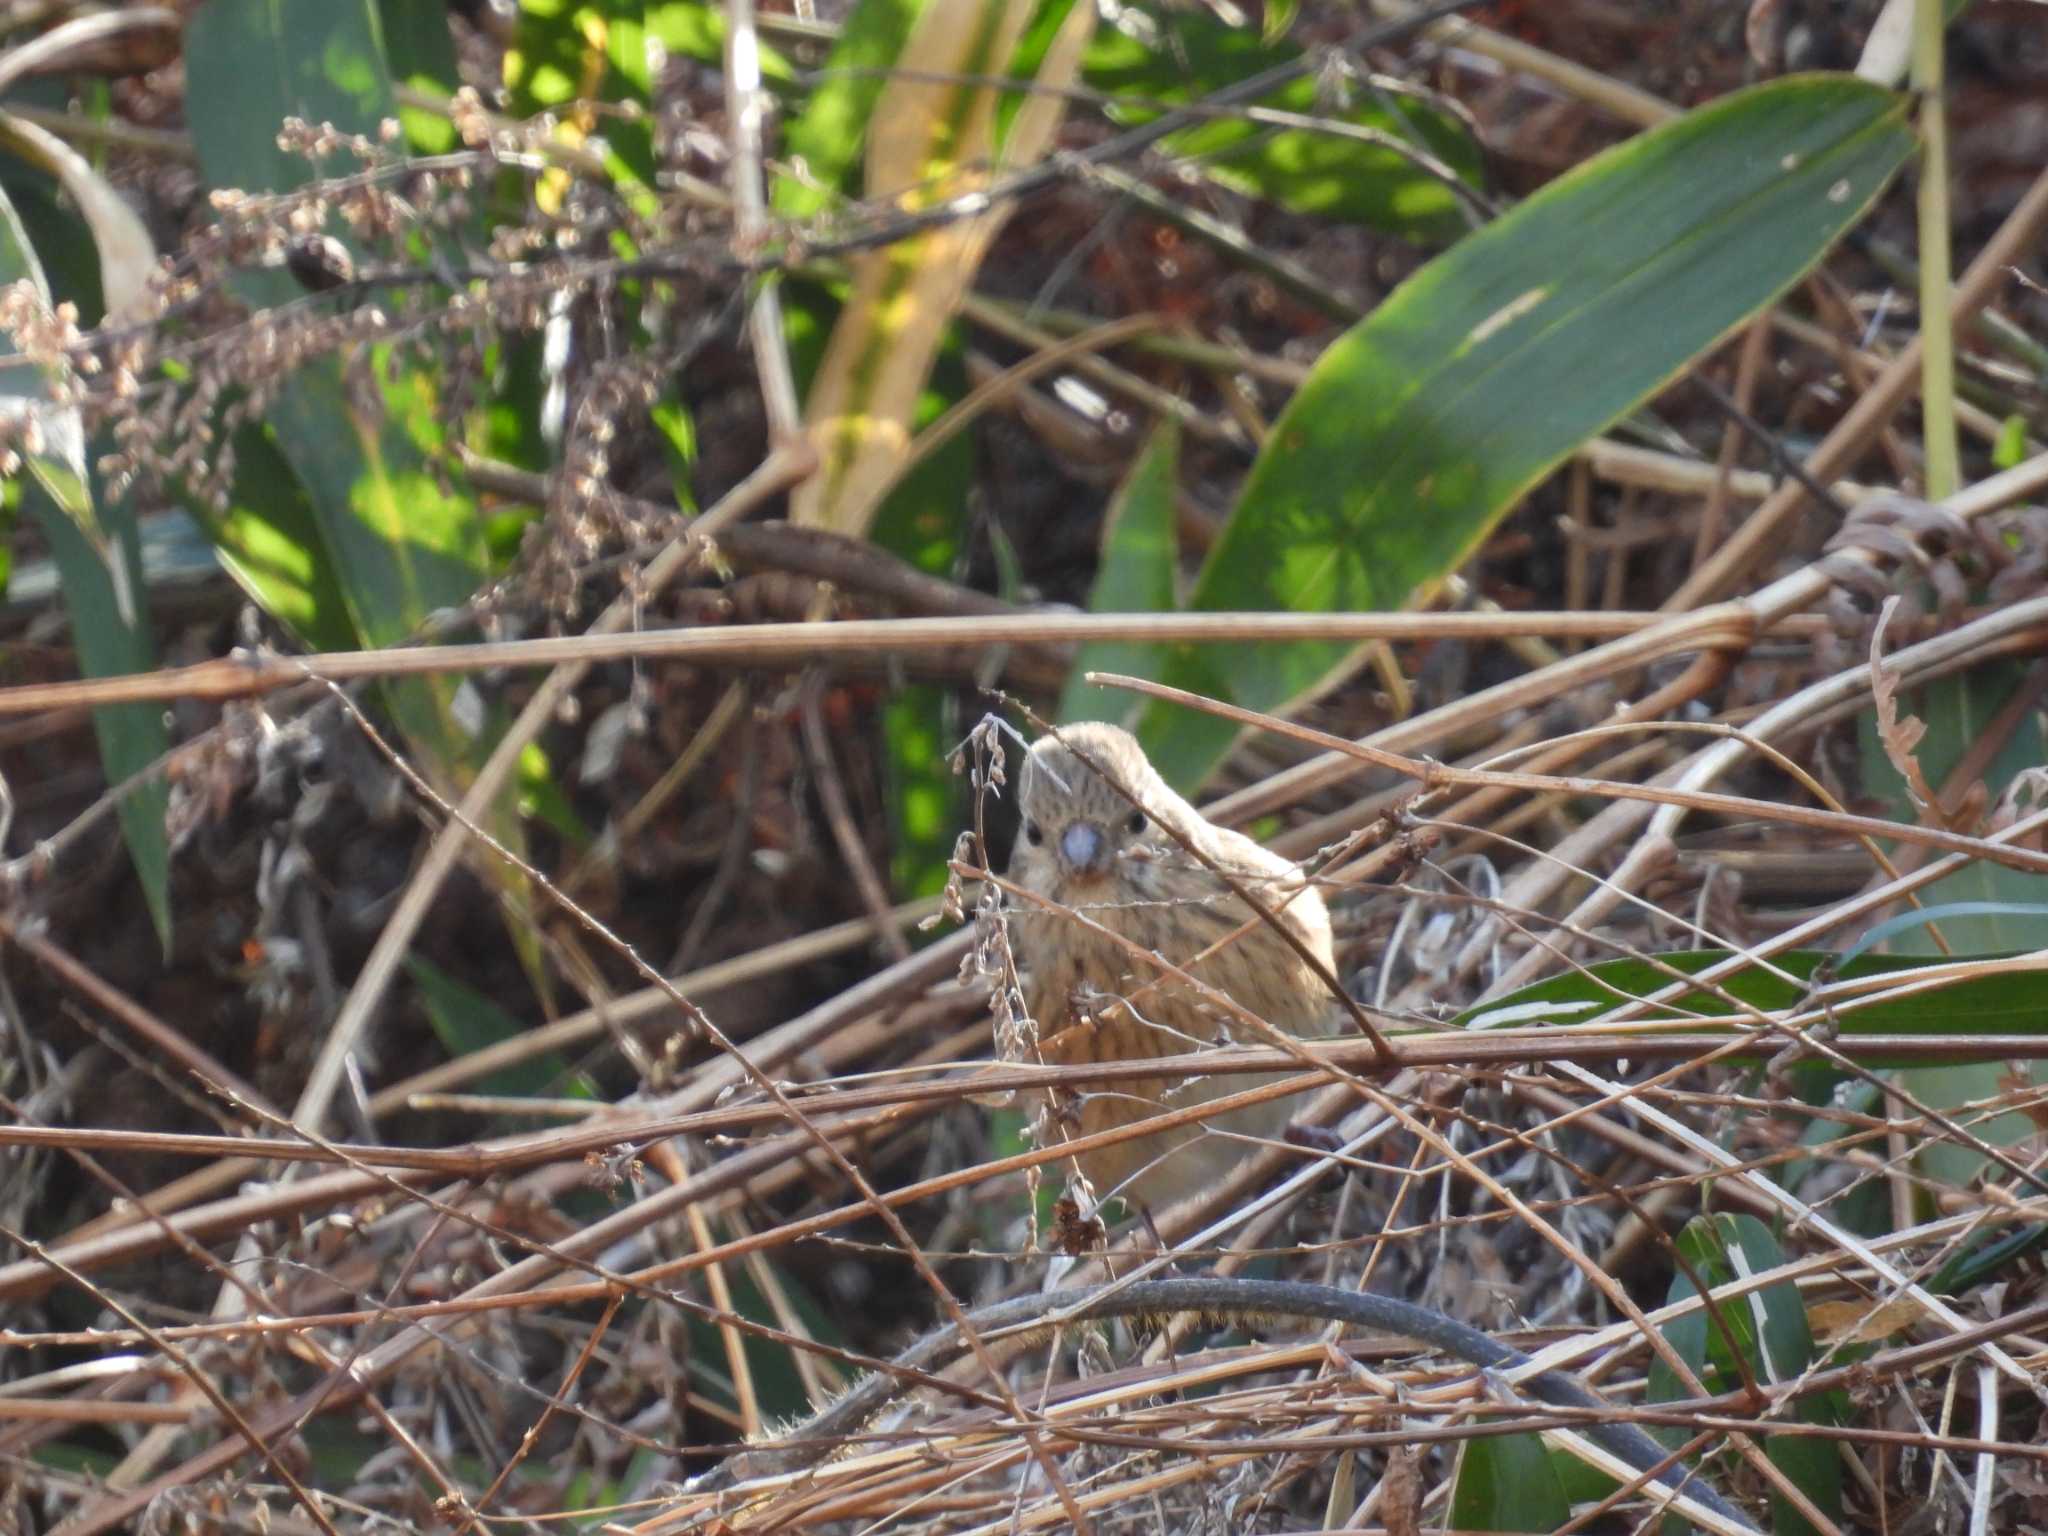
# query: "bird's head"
{"type": "Point", "coordinates": [1078, 832]}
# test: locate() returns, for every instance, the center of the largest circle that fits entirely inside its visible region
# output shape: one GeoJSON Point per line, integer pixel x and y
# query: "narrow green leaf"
{"type": "Point", "coordinates": [1768, 1330]}
{"type": "Point", "coordinates": [1422, 425]}
{"type": "Point", "coordinates": [2010, 448]}
{"type": "Point", "coordinates": [1140, 560]}
{"type": "Point", "coordinates": [2009, 1002]}
{"type": "Point", "coordinates": [464, 1021]}
{"type": "Point", "coordinates": [104, 594]}
{"type": "Point", "coordinates": [99, 562]}
{"type": "Point", "coordinates": [678, 429]}
{"type": "Point", "coordinates": [1507, 1483]}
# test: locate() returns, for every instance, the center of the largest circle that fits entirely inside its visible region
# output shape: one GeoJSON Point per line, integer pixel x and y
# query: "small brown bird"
{"type": "Point", "coordinates": [1108, 856]}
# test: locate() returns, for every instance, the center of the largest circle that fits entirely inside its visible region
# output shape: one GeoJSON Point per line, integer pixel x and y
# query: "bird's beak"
{"type": "Point", "coordinates": [1084, 849]}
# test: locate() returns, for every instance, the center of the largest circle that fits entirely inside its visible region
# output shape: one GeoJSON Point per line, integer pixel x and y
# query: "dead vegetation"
{"type": "Point", "coordinates": [460, 1168]}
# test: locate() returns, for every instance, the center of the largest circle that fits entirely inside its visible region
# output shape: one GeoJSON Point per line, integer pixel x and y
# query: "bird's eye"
{"type": "Point", "coordinates": [1034, 834]}
{"type": "Point", "coordinates": [1137, 823]}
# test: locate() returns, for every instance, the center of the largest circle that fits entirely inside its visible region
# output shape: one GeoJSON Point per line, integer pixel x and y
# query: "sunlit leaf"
{"type": "Point", "coordinates": [932, 136]}
{"type": "Point", "coordinates": [1421, 426]}
{"type": "Point", "coordinates": [1174, 56]}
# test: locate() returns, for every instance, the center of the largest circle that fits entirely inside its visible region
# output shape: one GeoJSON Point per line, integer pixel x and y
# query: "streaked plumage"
{"type": "Point", "coordinates": [1083, 845]}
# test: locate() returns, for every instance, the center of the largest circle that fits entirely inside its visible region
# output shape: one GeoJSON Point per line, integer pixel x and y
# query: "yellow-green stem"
{"type": "Point", "coordinates": [1938, 362]}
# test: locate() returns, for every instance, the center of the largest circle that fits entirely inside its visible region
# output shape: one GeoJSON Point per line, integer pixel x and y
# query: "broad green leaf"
{"type": "Point", "coordinates": [1140, 561]}
{"type": "Point", "coordinates": [272, 544]}
{"type": "Point", "coordinates": [1174, 56]}
{"type": "Point", "coordinates": [1769, 1332]}
{"type": "Point", "coordinates": [99, 562]}
{"type": "Point", "coordinates": [60, 239]}
{"type": "Point", "coordinates": [248, 67]}
{"type": "Point", "coordinates": [1421, 426]}
{"type": "Point", "coordinates": [402, 547]}
{"type": "Point", "coordinates": [1507, 1483]}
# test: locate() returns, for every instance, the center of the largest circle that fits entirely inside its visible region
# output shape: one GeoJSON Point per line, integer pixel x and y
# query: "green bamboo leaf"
{"type": "Point", "coordinates": [104, 594]}
{"type": "Point", "coordinates": [1768, 1330]}
{"type": "Point", "coordinates": [2002, 1003]}
{"type": "Point", "coordinates": [99, 562]}
{"type": "Point", "coordinates": [126, 256]}
{"type": "Point", "coordinates": [1140, 559]}
{"type": "Point", "coordinates": [1421, 426]}
{"type": "Point", "coordinates": [465, 1021]}
{"type": "Point", "coordinates": [1507, 1483]}
{"type": "Point", "coordinates": [270, 541]}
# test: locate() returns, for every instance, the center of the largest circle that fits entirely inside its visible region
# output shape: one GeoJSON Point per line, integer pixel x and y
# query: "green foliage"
{"type": "Point", "coordinates": [421, 51]}
{"type": "Point", "coordinates": [1987, 906]}
{"type": "Point", "coordinates": [825, 138]}
{"type": "Point", "coordinates": [1767, 1332]}
{"type": "Point", "coordinates": [924, 520]}
{"type": "Point", "coordinates": [345, 526]}
{"type": "Point", "coordinates": [1174, 56]}
{"type": "Point", "coordinates": [1140, 566]}
{"type": "Point", "coordinates": [99, 561]}
{"type": "Point", "coordinates": [2005, 1002]}
{"type": "Point", "coordinates": [1507, 1483]}
{"type": "Point", "coordinates": [1427, 421]}
{"type": "Point", "coordinates": [464, 1021]}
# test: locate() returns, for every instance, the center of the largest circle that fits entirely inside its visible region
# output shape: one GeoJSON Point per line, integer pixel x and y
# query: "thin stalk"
{"type": "Point", "coordinates": [1938, 358]}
